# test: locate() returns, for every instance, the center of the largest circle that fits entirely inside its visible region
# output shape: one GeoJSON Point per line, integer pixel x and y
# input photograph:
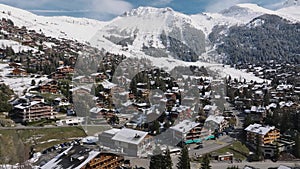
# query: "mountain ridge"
{"type": "Point", "coordinates": [157, 32]}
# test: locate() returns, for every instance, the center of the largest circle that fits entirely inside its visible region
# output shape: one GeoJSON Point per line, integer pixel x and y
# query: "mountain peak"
{"type": "Point", "coordinates": [141, 11]}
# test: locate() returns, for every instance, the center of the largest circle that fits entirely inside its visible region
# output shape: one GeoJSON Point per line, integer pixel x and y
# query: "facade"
{"type": "Point", "coordinates": [49, 87]}
{"type": "Point", "coordinates": [268, 139]}
{"type": "Point", "coordinates": [186, 131]}
{"type": "Point", "coordinates": [126, 141]}
{"type": "Point", "coordinates": [214, 122]}
{"type": "Point", "coordinates": [33, 111]}
{"type": "Point", "coordinates": [285, 145]}
{"type": "Point", "coordinates": [258, 134]}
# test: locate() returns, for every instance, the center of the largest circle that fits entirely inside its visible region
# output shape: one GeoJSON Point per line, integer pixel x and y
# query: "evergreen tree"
{"type": "Point", "coordinates": [259, 154]}
{"type": "Point", "coordinates": [33, 82]}
{"type": "Point", "coordinates": [168, 160]}
{"type": "Point", "coordinates": [160, 161]}
{"type": "Point", "coordinates": [297, 146]}
{"type": "Point", "coordinates": [205, 162]}
{"type": "Point", "coordinates": [184, 159]}
{"type": "Point", "coordinates": [156, 162]}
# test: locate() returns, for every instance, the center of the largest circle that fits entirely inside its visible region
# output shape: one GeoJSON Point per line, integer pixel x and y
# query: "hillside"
{"type": "Point", "coordinates": [81, 29]}
{"type": "Point", "coordinates": [267, 37]}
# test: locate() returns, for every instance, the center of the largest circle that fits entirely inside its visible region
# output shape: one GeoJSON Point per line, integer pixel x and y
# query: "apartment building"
{"type": "Point", "coordinates": [259, 134]}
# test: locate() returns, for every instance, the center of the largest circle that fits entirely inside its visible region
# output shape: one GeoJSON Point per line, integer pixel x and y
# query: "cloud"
{"type": "Point", "coordinates": [217, 5]}
{"type": "Point", "coordinates": [161, 2]}
{"type": "Point", "coordinates": [112, 7]}
{"type": "Point", "coordinates": [92, 8]}
{"type": "Point", "coordinates": [275, 6]}
{"type": "Point", "coordinates": [25, 4]}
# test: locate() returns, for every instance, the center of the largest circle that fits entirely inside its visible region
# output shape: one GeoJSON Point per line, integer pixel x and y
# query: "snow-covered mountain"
{"type": "Point", "coordinates": [80, 29]}
{"type": "Point", "coordinates": [157, 32]}
{"type": "Point", "coordinates": [291, 7]}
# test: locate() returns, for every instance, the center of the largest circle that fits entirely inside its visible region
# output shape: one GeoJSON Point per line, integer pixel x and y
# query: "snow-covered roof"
{"type": "Point", "coordinates": [185, 126]}
{"type": "Point", "coordinates": [130, 136]}
{"type": "Point", "coordinates": [62, 161]}
{"type": "Point", "coordinates": [108, 85]}
{"type": "Point", "coordinates": [112, 131]}
{"type": "Point", "coordinates": [217, 119]}
{"type": "Point", "coordinates": [95, 110]}
{"type": "Point", "coordinates": [284, 167]}
{"type": "Point", "coordinates": [259, 129]}
{"type": "Point", "coordinates": [23, 106]}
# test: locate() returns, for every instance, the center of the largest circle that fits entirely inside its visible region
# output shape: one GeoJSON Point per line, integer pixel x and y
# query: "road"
{"type": "Point", "coordinates": [219, 165]}
{"type": "Point", "coordinates": [48, 127]}
{"type": "Point", "coordinates": [260, 165]}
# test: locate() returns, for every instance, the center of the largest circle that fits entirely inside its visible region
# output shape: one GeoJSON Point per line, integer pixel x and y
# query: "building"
{"type": "Point", "coordinates": [49, 87]}
{"type": "Point", "coordinates": [19, 72]}
{"type": "Point", "coordinates": [222, 157]}
{"type": "Point", "coordinates": [80, 157]}
{"type": "Point", "coordinates": [280, 145]}
{"type": "Point", "coordinates": [70, 121]}
{"type": "Point", "coordinates": [32, 111]}
{"type": "Point", "coordinates": [258, 134]}
{"type": "Point", "coordinates": [105, 138]}
{"type": "Point", "coordinates": [268, 139]}
{"type": "Point", "coordinates": [214, 123]}
{"type": "Point", "coordinates": [126, 141]}
{"type": "Point", "coordinates": [186, 131]}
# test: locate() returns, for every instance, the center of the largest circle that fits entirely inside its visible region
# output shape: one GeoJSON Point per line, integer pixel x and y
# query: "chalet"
{"type": "Point", "coordinates": [81, 90]}
{"type": "Point", "coordinates": [80, 157]}
{"type": "Point", "coordinates": [49, 87]}
{"type": "Point", "coordinates": [216, 123]}
{"type": "Point", "coordinates": [186, 131]}
{"type": "Point", "coordinates": [19, 72]}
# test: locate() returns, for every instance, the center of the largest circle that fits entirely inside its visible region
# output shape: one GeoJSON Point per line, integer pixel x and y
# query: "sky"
{"type": "Point", "coordinates": [108, 9]}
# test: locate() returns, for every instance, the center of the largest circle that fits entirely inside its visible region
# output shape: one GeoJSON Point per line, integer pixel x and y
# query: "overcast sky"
{"type": "Point", "coordinates": [107, 9]}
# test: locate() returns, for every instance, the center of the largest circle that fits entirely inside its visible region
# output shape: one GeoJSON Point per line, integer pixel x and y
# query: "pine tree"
{"type": "Point", "coordinates": [168, 160]}
{"type": "Point", "coordinates": [160, 161]}
{"type": "Point", "coordinates": [33, 82]}
{"type": "Point", "coordinates": [184, 160]}
{"type": "Point", "coordinates": [259, 154]}
{"type": "Point", "coordinates": [156, 162]}
{"type": "Point", "coordinates": [205, 162]}
{"type": "Point", "coordinates": [297, 146]}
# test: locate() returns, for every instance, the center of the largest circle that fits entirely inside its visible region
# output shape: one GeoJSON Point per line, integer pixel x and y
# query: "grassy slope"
{"type": "Point", "coordinates": [15, 144]}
